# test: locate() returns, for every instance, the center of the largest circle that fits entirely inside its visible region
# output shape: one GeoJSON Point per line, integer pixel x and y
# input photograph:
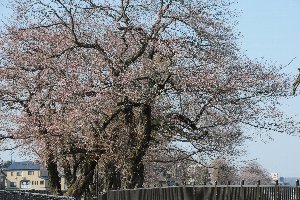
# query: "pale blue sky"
{"type": "Point", "coordinates": [270, 29]}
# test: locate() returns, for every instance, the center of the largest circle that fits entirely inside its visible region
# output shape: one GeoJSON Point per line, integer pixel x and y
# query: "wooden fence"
{"type": "Point", "coordinates": [217, 192]}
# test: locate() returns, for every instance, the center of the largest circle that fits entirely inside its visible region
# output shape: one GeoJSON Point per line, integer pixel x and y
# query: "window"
{"type": "Point", "coordinates": [41, 182]}
{"type": "Point", "coordinates": [30, 172]}
{"type": "Point", "coordinates": [19, 173]}
{"type": "Point", "coordinates": [12, 173]}
{"type": "Point", "coordinates": [13, 184]}
{"type": "Point", "coordinates": [34, 183]}
{"type": "Point", "coordinates": [25, 184]}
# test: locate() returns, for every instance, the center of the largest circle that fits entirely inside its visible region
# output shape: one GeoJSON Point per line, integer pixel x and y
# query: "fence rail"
{"type": "Point", "coordinates": [219, 192]}
{"type": "Point", "coordinates": [22, 195]}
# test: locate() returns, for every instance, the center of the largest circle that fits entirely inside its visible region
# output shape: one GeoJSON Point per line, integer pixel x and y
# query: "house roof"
{"type": "Point", "coordinates": [26, 165]}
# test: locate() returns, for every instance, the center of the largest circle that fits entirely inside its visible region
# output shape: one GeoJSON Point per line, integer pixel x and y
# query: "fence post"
{"type": "Point", "coordinates": [216, 191]}
{"type": "Point", "coordinates": [242, 190]}
{"type": "Point", "coordinates": [297, 196]}
{"type": "Point", "coordinates": [277, 192]}
{"type": "Point", "coordinates": [258, 190]}
{"type": "Point", "coordinates": [243, 182]}
{"type": "Point", "coordinates": [228, 190]}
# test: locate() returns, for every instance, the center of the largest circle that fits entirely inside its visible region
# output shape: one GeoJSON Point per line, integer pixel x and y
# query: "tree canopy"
{"type": "Point", "coordinates": [253, 172]}
{"type": "Point", "coordinates": [117, 84]}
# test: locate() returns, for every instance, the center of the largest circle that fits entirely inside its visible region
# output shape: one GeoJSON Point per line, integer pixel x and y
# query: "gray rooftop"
{"type": "Point", "coordinates": [26, 165]}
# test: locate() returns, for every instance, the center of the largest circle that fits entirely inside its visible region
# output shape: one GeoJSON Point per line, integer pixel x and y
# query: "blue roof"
{"type": "Point", "coordinates": [26, 165]}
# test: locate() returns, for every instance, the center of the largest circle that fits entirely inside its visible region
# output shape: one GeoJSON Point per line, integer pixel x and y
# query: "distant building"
{"type": "Point", "coordinates": [290, 180]}
{"type": "Point", "coordinates": [28, 175]}
{"type": "Point", "coordinates": [275, 176]}
{"type": "Point", "coordinates": [281, 181]}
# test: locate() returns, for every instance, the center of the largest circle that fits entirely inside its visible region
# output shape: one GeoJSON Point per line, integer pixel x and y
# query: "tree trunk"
{"type": "Point", "coordinates": [54, 180]}
{"type": "Point", "coordinates": [83, 181]}
{"type": "Point", "coordinates": [136, 175]}
{"type": "Point", "coordinates": [112, 177]}
{"type": "Point", "coordinates": [135, 178]}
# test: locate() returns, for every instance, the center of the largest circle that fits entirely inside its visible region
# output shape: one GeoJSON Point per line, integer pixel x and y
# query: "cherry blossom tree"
{"type": "Point", "coordinates": [253, 172]}
{"type": "Point", "coordinates": [296, 83]}
{"type": "Point", "coordinates": [222, 172]}
{"type": "Point", "coordinates": [113, 84]}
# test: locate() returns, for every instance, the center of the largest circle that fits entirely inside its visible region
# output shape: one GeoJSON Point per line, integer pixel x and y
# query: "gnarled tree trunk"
{"type": "Point", "coordinates": [84, 179]}
{"type": "Point", "coordinates": [135, 178]}
{"type": "Point", "coordinates": [112, 179]}
{"type": "Point", "coordinates": [54, 180]}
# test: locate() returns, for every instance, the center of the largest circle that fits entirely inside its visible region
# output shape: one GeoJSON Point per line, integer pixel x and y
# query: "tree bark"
{"type": "Point", "coordinates": [83, 181]}
{"type": "Point", "coordinates": [135, 177]}
{"type": "Point", "coordinates": [112, 177]}
{"type": "Point", "coordinates": [54, 180]}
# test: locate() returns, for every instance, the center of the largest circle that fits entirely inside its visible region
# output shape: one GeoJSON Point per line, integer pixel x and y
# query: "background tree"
{"type": "Point", "coordinates": [201, 175]}
{"type": "Point", "coordinates": [117, 83]}
{"type": "Point", "coordinates": [222, 172]}
{"type": "Point", "coordinates": [253, 172]}
{"type": "Point", "coordinates": [181, 171]}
